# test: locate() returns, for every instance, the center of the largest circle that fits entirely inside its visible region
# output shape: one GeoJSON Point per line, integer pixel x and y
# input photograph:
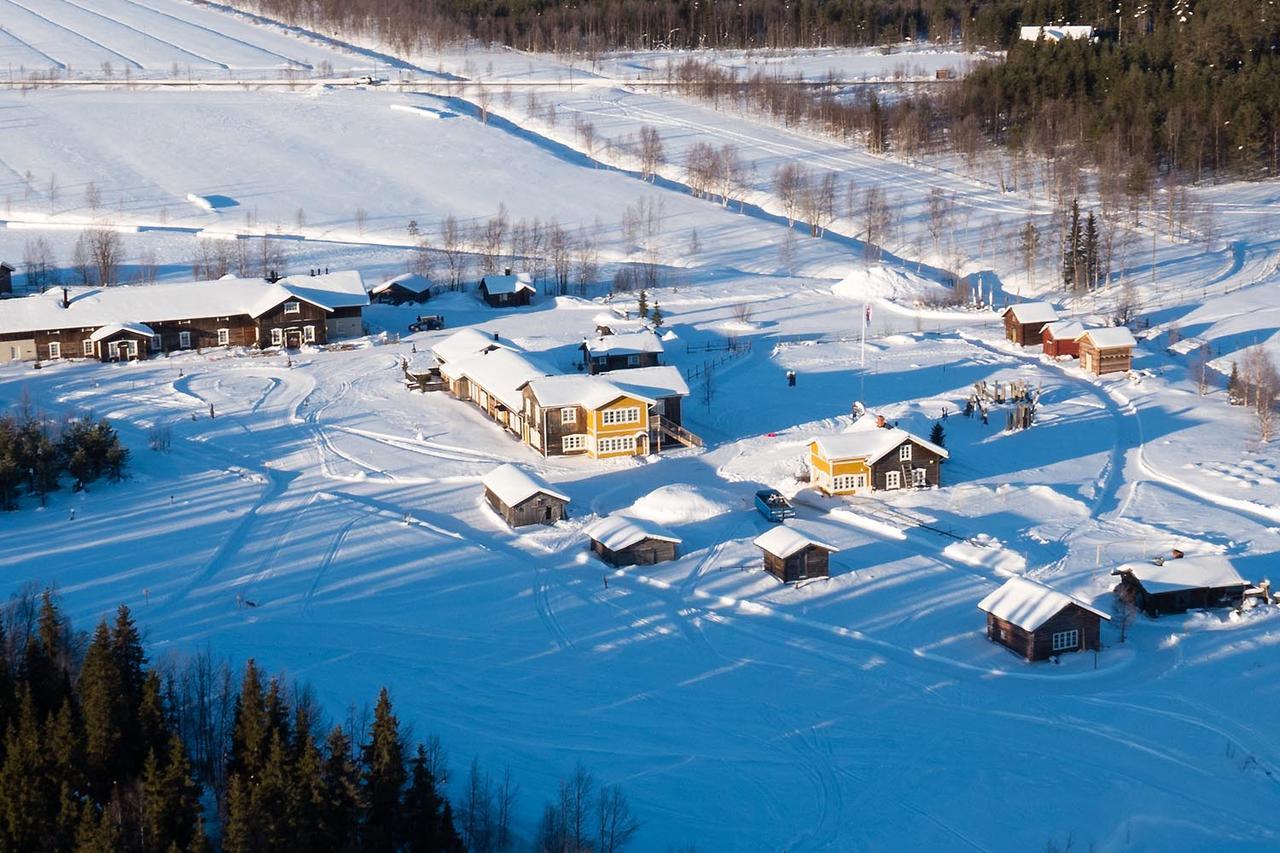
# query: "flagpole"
{"type": "Point", "coordinates": [864, 337]}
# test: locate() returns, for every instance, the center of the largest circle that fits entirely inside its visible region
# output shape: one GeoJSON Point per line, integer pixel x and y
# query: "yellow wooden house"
{"type": "Point", "coordinates": [873, 457]}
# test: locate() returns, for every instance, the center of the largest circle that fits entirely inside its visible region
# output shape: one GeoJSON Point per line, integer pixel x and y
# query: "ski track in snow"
{"type": "Point", "coordinates": [76, 34]}
{"type": "Point", "coordinates": [145, 36]}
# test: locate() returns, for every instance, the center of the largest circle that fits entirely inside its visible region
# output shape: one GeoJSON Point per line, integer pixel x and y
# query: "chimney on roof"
{"type": "Point", "coordinates": [1176, 554]}
{"type": "Point", "coordinates": [880, 422]}
{"type": "Point", "coordinates": [508, 272]}
{"type": "Point", "coordinates": [495, 336]}
{"type": "Point", "coordinates": [326, 270]}
{"type": "Point", "coordinates": [66, 299]}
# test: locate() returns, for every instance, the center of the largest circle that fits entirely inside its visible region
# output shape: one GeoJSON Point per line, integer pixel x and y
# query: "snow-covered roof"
{"type": "Point", "coordinates": [409, 281]}
{"type": "Point", "coordinates": [464, 344]}
{"type": "Point", "coordinates": [1058, 32]}
{"type": "Point", "coordinates": [1113, 337]}
{"type": "Point", "coordinates": [1185, 346]}
{"type": "Point", "coordinates": [631, 343]}
{"type": "Point", "coordinates": [500, 372]}
{"type": "Point", "coordinates": [514, 485]}
{"type": "Point", "coordinates": [655, 383]}
{"type": "Point", "coordinates": [616, 532]}
{"type": "Point", "coordinates": [1065, 330]}
{"type": "Point", "coordinates": [90, 307]}
{"type": "Point", "coordinates": [865, 440]}
{"type": "Point", "coordinates": [1029, 604]}
{"type": "Point", "coordinates": [116, 328]}
{"type": "Point", "coordinates": [1202, 570]}
{"type": "Point", "coordinates": [508, 283]}
{"type": "Point", "coordinates": [783, 541]}
{"type": "Point", "coordinates": [589, 392]}
{"type": "Point", "coordinates": [1033, 312]}
{"type": "Point", "coordinates": [419, 363]}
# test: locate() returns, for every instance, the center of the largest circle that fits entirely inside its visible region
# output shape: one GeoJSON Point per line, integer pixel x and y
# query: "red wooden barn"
{"type": "Point", "coordinates": [1061, 338]}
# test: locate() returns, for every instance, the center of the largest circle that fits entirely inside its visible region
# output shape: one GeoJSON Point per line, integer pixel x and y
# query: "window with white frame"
{"type": "Point", "coordinates": [847, 482]}
{"type": "Point", "coordinates": [616, 444]}
{"type": "Point", "coordinates": [893, 480]}
{"type": "Point", "coordinates": [633, 361]}
{"type": "Point", "coordinates": [904, 453]}
{"type": "Point", "coordinates": [309, 334]}
{"type": "Point", "coordinates": [919, 477]}
{"type": "Point", "coordinates": [277, 337]}
{"type": "Point", "coordinates": [224, 337]}
{"type": "Point", "coordinates": [629, 415]}
{"type": "Point", "coordinates": [88, 346]}
{"type": "Point", "coordinates": [184, 340]}
{"type": "Point", "coordinates": [155, 342]}
{"type": "Point", "coordinates": [1064, 641]}
{"type": "Point", "coordinates": [571, 443]}
{"type": "Point", "coordinates": [293, 308]}
{"type": "Point", "coordinates": [55, 349]}
{"type": "Point", "coordinates": [568, 415]}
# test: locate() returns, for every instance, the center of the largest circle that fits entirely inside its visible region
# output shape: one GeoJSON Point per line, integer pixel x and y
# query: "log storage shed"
{"type": "Point", "coordinates": [1024, 323]}
{"type": "Point", "coordinates": [1104, 351]}
{"type": "Point", "coordinates": [522, 498]}
{"type": "Point", "coordinates": [1178, 584]}
{"type": "Point", "coordinates": [622, 541]}
{"type": "Point", "coordinates": [1039, 622]}
{"type": "Point", "coordinates": [791, 555]}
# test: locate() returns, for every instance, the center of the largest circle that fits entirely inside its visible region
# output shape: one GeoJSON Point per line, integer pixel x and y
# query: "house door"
{"type": "Point", "coordinates": [292, 338]}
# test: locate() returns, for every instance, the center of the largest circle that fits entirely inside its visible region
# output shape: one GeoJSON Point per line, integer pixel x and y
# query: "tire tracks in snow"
{"type": "Point", "coordinates": [145, 35]}
{"type": "Point", "coordinates": [76, 34]}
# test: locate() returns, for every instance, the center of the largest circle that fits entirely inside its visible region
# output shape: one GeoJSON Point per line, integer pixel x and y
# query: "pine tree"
{"type": "Point", "coordinates": [240, 829]}
{"type": "Point", "coordinates": [644, 305]}
{"type": "Point", "coordinates": [425, 826]}
{"type": "Point", "coordinates": [131, 660]}
{"type": "Point", "coordinates": [64, 748]}
{"type": "Point", "coordinates": [273, 795]}
{"type": "Point", "coordinates": [250, 728]}
{"type": "Point", "coordinates": [1071, 248]}
{"type": "Point", "coordinates": [28, 800]}
{"type": "Point", "coordinates": [152, 725]}
{"type": "Point", "coordinates": [102, 704]}
{"type": "Point", "coordinates": [937, 435]}
{"type": "Point", "coordinates": [1092, 273]}
{"type": "Point", "coordinates": [97, 831]}
{"type": "Point", "coordinates": [170, 801]}
{"type": "Point", "coordinates": [384, 778]}
{"type": "Point", "coordinates": [46, 661]}
{"type": "Point", "coordinates": [307, 797]}
{"type": "Point", "coordinates": [340, 806]}
{"type": "Point", "coordinates": [658, 319]}
{"type": "Point", "coordinates": [1235, 389]}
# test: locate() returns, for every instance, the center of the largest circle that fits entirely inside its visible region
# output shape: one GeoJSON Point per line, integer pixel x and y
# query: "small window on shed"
{"type": "Point", "coordinates": [224, 337]}
{"type": "Point", "coordinates": [88, 346]}
{"type": "Point", "coordinates": [904, 453]}
{"type": "Point", "coordinates": [1064, 641]}
{"type": "Point", "coordinates": [293, 307]}
{"type": "Point", "coordinates": [309, 334]}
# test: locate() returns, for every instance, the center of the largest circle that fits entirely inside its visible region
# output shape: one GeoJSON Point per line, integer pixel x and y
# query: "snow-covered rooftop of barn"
{"type": "Point", "coordinates": [332, 290]}
{"type": "Point", "coordinates": [409, 281]}
{"type": "Point", "coordinates": [116, 328]}
{"type": "Point", "coordinates": [616, 532]}
{"type": "Point", "coordinates": [864, 440]}
{"type": "Point", "coordinates": [1065, 330]}
{"type": "Point", "coordinates": [1203, 570]}
{"type": "Point", "coordinates": [654, 383]}
{"type": "Point", "coordinates": [464, 344]}
{"type": "Point", "coordinates": [630, 343]}
{"type": "Point", "coordinates": [513, 485]}
{"type": "Point", "coordinates": [1112, 337]}
{"type": "Point", "coordinates": [508, 283]}
{"type": "Point", "coordinates": [1029, 604]}
{"type": "Point", "coordinates": [500, 372]}
{"type": "Point", "coordinates": [590, 392]}
{"type": "Point", "coordinates": [421, 362]}
{"type": "Point", "coordinates": [1033, 312]}
{"type": "Point", "coordinates": [783, 541]}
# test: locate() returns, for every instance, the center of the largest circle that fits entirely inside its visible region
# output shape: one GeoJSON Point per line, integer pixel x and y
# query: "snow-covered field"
{"type": "Point", "coordinates": [866, 711]}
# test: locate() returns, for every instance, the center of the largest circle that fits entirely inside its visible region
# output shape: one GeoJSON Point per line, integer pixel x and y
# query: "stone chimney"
{"type": "Point", "coordinates": [508, 272]}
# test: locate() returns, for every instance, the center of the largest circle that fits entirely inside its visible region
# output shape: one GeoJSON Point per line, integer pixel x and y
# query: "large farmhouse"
{"type": "Point", "coordinates": [1179, 584]}
{"type": "Point", "coordinates": [1024, 323]}
{"type": "Point", "coordinates": [1038, 622]}
{"type": "Point", "coordinates": [128, 322]}
{"type": "Point", "coordinates": [873, 457]}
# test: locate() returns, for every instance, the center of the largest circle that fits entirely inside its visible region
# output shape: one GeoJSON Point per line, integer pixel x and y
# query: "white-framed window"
{"type": "Point", "coordinates": [848, 482]}
{"type": "Point", "coordinates": [573, 442]}
{"type": "Point", "coordinates": [184, 340]}
{"type": "Point", "coordinates": [568, 415]}
{"type": "Point", "coordinates": [293, 307]}
{"type": "Point", "coordinates": [277, 337]}
{"type": "Point", "coordinates": [309, 334]}
{"type": "Point", "coordinates": [1064, 641]}
{"type": "Point", "coordinates": [629, 415]}
{"type": "Point", "coordinates": [616, 444]}
{"type": "Point", "coordinates": [155, 342]}
{"type": "Point", "coordinates": [55, 349]}
{"type": "Point", "coordinates": [224, 337]}
{"type": "Point", "coordinates": [88, 346]}
{"type": "Point", "coordinates": [904, 453]}
{"type": "Point", "coordinates": [893, 480]}
{"type": "Point", "coordinates": [633, 361]}
{"type": "Point", "coordinates": [919, 477]}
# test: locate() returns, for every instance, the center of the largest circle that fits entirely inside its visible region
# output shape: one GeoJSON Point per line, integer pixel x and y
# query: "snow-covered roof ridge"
{"type": "Point", "coordinates": [510, 283]}
{"type": "Point", "coordinates": [783, 541]}
{"type": "Point", "coordinates": [1190, 572]}
{"type": "Point", "coordinates": [573, 389]}
{"type": "Point", "coordinates": [466, 343]}
{"type": "Point", "coordinates": [1028, 603]}
{"type": "Point", "coordinates": [1111, 336]}
{"type": "Point", "coordinates": [1033, 312]}
{"type": "Point", "coordinates": [865, 440]}
{"type": "Point", "coordinates": [501, 372]}
{"type": "Point", "coordinates": [616, 532]}
{"type": "Point", "coordinates": [658, 382]}
{"type": "Point", "coordinates": [1065, 330]}
{"type": "Point", "coordinates": [115, 328]}
{"type": "Point", "coordinates": [409, 281]}
{"type": "Point", "coordinates": [625, 343]}
{"type": "Point", "coordinates": [330, 291]}
{"type": "Point", "coordinates": [513, 485]}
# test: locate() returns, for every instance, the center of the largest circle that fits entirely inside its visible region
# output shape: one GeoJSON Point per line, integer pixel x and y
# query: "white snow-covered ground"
{"type": "Point", "coordinates": [866, 711]}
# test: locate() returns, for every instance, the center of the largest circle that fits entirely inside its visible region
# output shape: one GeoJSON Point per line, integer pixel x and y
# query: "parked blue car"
{"type": "Point", "coordinates": [772, 505]}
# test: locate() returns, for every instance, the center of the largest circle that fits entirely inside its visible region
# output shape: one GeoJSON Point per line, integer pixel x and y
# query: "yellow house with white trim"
{"type": "Point", "coordinates": [872, 457]}
{"type": "Point", "coordinates": [585, 415]}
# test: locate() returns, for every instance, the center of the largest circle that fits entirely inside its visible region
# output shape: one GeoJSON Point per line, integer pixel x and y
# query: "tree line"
{"type": "Point", "coordinates": [37, 451]}
{"type": "Point", "coordinates": [104, 750]}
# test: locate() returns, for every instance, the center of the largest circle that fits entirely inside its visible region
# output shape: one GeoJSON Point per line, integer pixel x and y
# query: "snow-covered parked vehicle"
{"type": "Point", "coordinates": [772, 505]}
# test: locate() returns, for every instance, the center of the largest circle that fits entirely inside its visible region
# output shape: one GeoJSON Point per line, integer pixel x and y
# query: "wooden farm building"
{"type": "Point", "coordinates": [620, 352]}
{"type": "Point", "coordinates": [1024, 323]}
{"type": "Point", "coordinates": [466, 343]}
{"type": "Point", "coordinates": [1108, 350]}
{"type": "Point", "coordinates": [407, 287]}
{"type": "Point", "coordinates": [621, 541]}
{"type": "Point", "coordinates": [137, 321]}
{"type": "Point", "coordinates": [1179, 584]}
{"type": "Point", "coordinates": [1039, 622]}
{"type": "Point", "coordinates": [791, 555]}
{"type": "Point", "coordinates": [507, 291]}
{"type": "Point", "coordinates": [422, 373]}
{"type": "Point", "coordinates": [1061, 338]}
{"type": "Point", "coordinates": [522, 498]}
{"type": "Point", "coordinates": [6, 279]}
{"type": "Point", "coordinates": [872, 457]}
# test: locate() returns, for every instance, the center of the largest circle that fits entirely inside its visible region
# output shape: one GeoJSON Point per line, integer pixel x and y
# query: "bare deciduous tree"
{"type": "Point", "coordinates": [39, 264]}
{"type": "Point", "coordinates": [650, 152]}
{"type": "Point", "coordinates": [100, 251]}
{"type": "Point", "coordinates": [455, 259]}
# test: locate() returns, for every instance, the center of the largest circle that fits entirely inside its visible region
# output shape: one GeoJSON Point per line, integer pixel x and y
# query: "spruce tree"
{"type": "Point", "coordinates": [28, 800]}
{"type": "Point", "coordinates": [240, 829]}
{"type": "Point", "coordinates": [152, 725]}
{"type": "Point", "coordinates": [46, 661]}
{"type": "Point", "coordinates": [938, 435]}
{"type": "Point", "coordinates": [658, 319]}
{"type": "Point", "coordinates": [1092, 271]}
{"type": "Point", "coordinates": [341, 803]}
{"type": "Point", "coordinates": [307, 797]}
{"type": "Point", "coordinates": [1235, 391]}
{"type": "Point", "coordinates": [1071, 248]}
{"type": "Point", "coordinates": [250, 728]}
{"type": "Point", "coordinates": [644, 305]}
{"type": "Point", "coordinates": [104, 708]}
{"type": "Point", "coordinates": [384, 778]}
{"type": "Point", "coordinates": [425, 827]}
{"type": "Point", "coordinates": [170, 801]}
{"type": "Point", "coordinates": [131, 660]}
{"type": "Point", "coordinates": [272, 796]}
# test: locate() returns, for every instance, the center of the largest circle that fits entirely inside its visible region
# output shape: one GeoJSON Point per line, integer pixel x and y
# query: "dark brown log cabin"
{"type": "Point", "coordinates": [646, 552]}
{"type": "Point", "coordinates": [1024, 323]}
{"type": "Point", "coordinates": [1038, 622]}
{"type": "Point", "coordinates": [1176, 585]}
{"type": "Point", "coordinates": [921, 468]}
{"type": "Point", "coordinates": [541, 508]}
{"type": "Point", "coordinates": [6, 279]}
{"type": "Point", "coordinates": [792, 556]}
{"type": "Point", "coordinates": [622, 541]}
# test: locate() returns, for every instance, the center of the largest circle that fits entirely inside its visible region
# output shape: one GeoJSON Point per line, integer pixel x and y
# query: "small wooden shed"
{"type": "Point", "coordinates": [407, 287]}
{"type": "Point", "coordinates": [1108, 350]}
{"type": "Point", "coordinates": [1178, 584]}
{"type": "Point", "coordinates": [623, 541]}
{"type": "Point", "coordinates": [1061, 338]}
{"type": "Point", "coordinates": [1039, 622]}
{"type": "Point", "coordinates": [1024, 323]}
{"type": "Point", "coordinates": [791, 555]}
{"type": "Point", "coordinates": [505, 291]}
{"type": "Point", "coordinates": [523, 498]}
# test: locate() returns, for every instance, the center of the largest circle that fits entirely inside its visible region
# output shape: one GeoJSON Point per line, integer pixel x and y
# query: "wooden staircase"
{"type": "Point", "coordinates": [665, 428]}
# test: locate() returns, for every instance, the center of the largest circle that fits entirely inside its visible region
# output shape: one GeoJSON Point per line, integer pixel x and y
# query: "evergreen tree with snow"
{"type": "Point", "coordinates": [1235, 388]}
{"type": "Point", "coordinates": [657, 319]}
{"type": "Point", "coordinates": [937, 435]}
{"type": "Point", "coordinates": [644, 305]}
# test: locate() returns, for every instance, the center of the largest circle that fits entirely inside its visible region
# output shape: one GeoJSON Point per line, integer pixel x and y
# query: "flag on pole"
{"type": "Point", "coordinates": [868, 309]}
